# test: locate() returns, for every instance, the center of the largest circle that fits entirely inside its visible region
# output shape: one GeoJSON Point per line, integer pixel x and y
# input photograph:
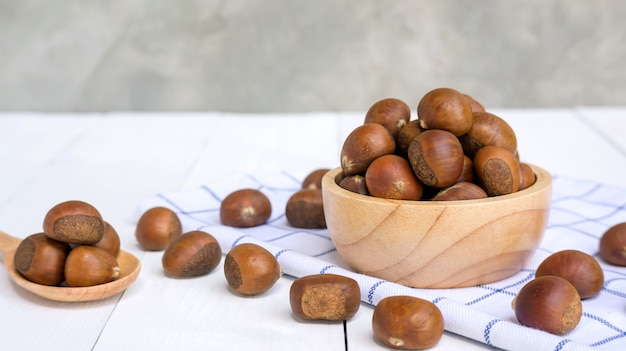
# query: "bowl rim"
{"type": "Point", "coordinates": [543, 179]}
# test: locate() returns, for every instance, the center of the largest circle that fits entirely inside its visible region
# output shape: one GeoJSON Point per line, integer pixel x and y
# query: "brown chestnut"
{"type": "Point", "coordinates": [613, 245]}
{"type": "Point", "coordinates": [446, 109]}
{"type": "Point", "coordinates": [41, 259]}
{"type": "Point", "coordinates": [250, 269]}
{"type": "Point", "coordinates": [157, 227]}
{"type": "Point", "coordinates": [580, 269]}
{"type": "Point", "coordinates": [314, 179]}
{"type": "Point", "coordinates": [391, 113]}
{"type": "Point", "coordinates": [460, 191]}
{"type": "Point", "coordinates": [474, 104]}
{"type": "Point", "coordinates": [468, 172]}
{"type": "Point", "coordinates": [391, 177]}
{"type": "Point", "coordinates": [192, 254]}
{"type": "Point", "coordinates": [245, 208]}
{"type": "Point", "coordinates": [364, 144]}
{"type": "Point", "coordinates": [305, 209]}
{"type": "Point", "coordinates": [488, 129]}
{"type": "Point", "coordinates": [497, 170]}
{"type": "Point", "coordinates": [436, 157]}
{"type": "Point", "coordinates": [355, 184]}
{"type": "Point", "coordinates": [407, 322]}
{"type": "Point", "coordinates": [548, 303]}
{"type": "Point", "coordinates": [90, 265]}
{"type": "Point", "coordinates": [110, 240]}
{"type": "Point", "coordinates": [325, 297]}
{"type": "Point", "coordinates": [74, 222]}
{"type": "Point", "coordinates": [410, 131]}
{"type": "Point", "coordinates": [527, 176]}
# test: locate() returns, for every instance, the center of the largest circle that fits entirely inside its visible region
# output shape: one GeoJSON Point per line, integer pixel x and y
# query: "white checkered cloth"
{"type": "Point", "coordinates": [581, 211]}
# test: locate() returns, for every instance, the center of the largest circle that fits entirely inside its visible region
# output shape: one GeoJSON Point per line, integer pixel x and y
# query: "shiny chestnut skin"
{"type": "Point", "coordinates": [364, 144]}
{"type": "Point", "coordinates": [468, 174]}
{"type": "Point", "coordinates": [391, 177]}
{"type": "Point", "coordinates": [41, 259]}
{"type": "Point", "coordinates": [527, 176]}
{"type": "Point", "coordinates": [193, 254]}
{"type": "Point", "coordinates": [157, 227]}
{"type": "Point", "coordinates": [488, 129]}
{"type": "Point", "coordinates": [355, 184]}
{"type": "Point", "coordinates": [410, 131]}
{"type": "Point", "coordinates": [548, 303]}
{"type": "Point", "coordinates": [245, 208]}
{"type": "Point", "coordinates": [445, 109]}
{"type": "Point", "coordinates": [460, 191]}
{"type": "Point", "coordinates": [391, 113]}
{"type": "Point", "coordinates": [74, 222]}
{"type": "Point", "coordinates": [613, 245]}
{"type": "Point", "coordinates": [110, 240]}
{"type": "Point", "coordinates": [251, 269]}
{"type": "Point", "coordinates": [497, 170]}
{"type": "Point", "coordinates": [313, 180]}
{"type": "Point", "coordinates": [325, 297]}
{"type": "Point", "coordinates": [474, 104]}
{"type": "Point", "coordinates": [436, 157]}
{"type": "Point", "coordinates": [580, 269]}
{"type": "Point", "coordinates": [406, 322]}
{"type": "Point", "coordinates": [89, 265]}
{"type": "Point", "coordinates": [305, 209]}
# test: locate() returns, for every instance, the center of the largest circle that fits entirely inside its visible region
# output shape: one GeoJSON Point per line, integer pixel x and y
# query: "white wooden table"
{"type": "Point", "coordinates": [115, 160]}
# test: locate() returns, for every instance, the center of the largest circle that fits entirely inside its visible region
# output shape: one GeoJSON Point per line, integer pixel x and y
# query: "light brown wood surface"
{"type": "Point", "coordinates": [437, 244]}
{"type": "Point", "coordinates": [130, 267]}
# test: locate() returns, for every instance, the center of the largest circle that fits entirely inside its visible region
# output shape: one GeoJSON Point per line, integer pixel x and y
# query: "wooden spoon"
{"type": "Point", "coordinates": [129, 270]}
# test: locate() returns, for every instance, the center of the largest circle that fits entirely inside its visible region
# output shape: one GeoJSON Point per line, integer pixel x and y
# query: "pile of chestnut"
{"type": "Point", "coordinates": [454, 150]}
{"type": "Point", "coordinates": [76, 248]}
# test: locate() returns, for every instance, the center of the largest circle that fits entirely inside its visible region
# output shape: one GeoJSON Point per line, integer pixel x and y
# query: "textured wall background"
{"type": "Point", "coordinates": [298, 55]}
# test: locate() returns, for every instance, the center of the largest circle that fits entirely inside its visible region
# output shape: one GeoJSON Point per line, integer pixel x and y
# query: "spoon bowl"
{"type": "Point", "coordinates": [130, 266]}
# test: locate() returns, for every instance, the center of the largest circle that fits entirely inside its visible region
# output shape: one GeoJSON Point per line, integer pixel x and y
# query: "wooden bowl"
{"type": "Point", "coordinates": [437, 244]}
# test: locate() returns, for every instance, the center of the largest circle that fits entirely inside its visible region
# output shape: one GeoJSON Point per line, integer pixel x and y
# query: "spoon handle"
{"type": "Point", "coordinates": [8, 242]}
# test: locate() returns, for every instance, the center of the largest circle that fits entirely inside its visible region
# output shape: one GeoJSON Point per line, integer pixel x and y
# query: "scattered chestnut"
{"type": "Point", "coordinates": [325, 297]}
{"type": "Point", "coordinates": [548, 303]}
{"type": "Point", "coordinates": [580, 269]}
{"type": "Point", "coordinates": [250, 269]}
{"type": "Point", "coordinates": [436, 157]}
{"type": "Point", "coordinates": [613, 245]}
{"type": "Point", "coordinates": [314, 179]}
{"type": "Point", "coordinates": [355, 184]}
{"type": "Point", "coordinates": [245, 208]}
{"type": "Point", "coordinates": [89, 265]}
{"type": "Point", "coordinates": [488, 129]}
{"type": "Point", "coordinates": [474, 104]}
{"type": "Point", "coordinates": [445, 109]}
{"type": "Point", "coordinates": [157, 227]}
{"type": "Point", "coordinates": [527, 177]}
{"type": "Point", "coordinates": [391, 113]}
{"type": "Point", "coordinates": [305, 209]}
{"type": "Point", "coordinates": [41, 259]}
{"type": "Point", "coordinates": [460, 191]}
{"type": "Point", "coordinates": [391, 177]}
{"type": "Point", "coordinates": [110, 240]}
{"type": "Point", "coordinates": [75, 222]}
{"type": "Point", "coordinates": [407, 322]}
{"type": "Point", "coordinates": [497, 170]}
{"type": "Point", "coordinates": [192, 254]}
{"type": "Point", "coordinates": [365, 143]}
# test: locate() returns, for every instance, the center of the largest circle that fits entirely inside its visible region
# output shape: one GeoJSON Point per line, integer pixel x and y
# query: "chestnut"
{"type": "Point", "coordinates": [497, 170]}
{"type": "Point", "coordinates": [407, 322]}
{"type": "Point", "coordinates": [192, 254]}
{"type": "Point", "coordinates": [468, 173]}
{"type": "Point", "coordinates": [548, 303]}
{"type": "Point", "coordinates": [250, 269]}
{"type": "Point", "coordinates": [364, 144]}
{"type": "Point", "coordinates": [474, 104]}
{"type": "Point", "coordinates": [460, 191]}
{"type": "Point", "coordinates": [41, 259]}
{"type": "Point", "coordinates": [305, 209]}
{"type": "Point", "coordinates": [74, 222]}
{"type": "Point", "coordinates": [445, 109]}
{"type": "Point", "coordinates": [527, 176]}
{"type": "Point", "coordinates": [157, 227]}
{"type": "Point", "coordinates": [325, 297]}
{"type": "Point", "coordinates": [391, 113]}
{"type": "Point", "coordinates": [410, 131]}
{"type": "Point", "coordinates": [613, 245]}
{"type": "Point", "coordinates": [110, 240]}
{"type": "Point", "coordinates": [314, 179]}
{"type": "Point", "coordinates": [355, 184]}
{"type": "Point", "coordinates": [488, 129]}
{"type": "Point", "coordinates": [245, 208]}
{"type": "Point", "coordinates": [436, 157]}
{"type": "Point", "coordinates": [391, 177]}
{"type": "Point", "coordinates": [90, 265]}
{"type": "Point", "coordinates": [580, 269]}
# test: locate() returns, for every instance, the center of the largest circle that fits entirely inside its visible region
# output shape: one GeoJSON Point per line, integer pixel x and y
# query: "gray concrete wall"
{"type": "Point", "coordinates": [299, 55]}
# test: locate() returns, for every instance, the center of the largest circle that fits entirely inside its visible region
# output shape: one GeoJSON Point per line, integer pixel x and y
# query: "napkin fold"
{"type": "Point", "coordinates": [581, 211]}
